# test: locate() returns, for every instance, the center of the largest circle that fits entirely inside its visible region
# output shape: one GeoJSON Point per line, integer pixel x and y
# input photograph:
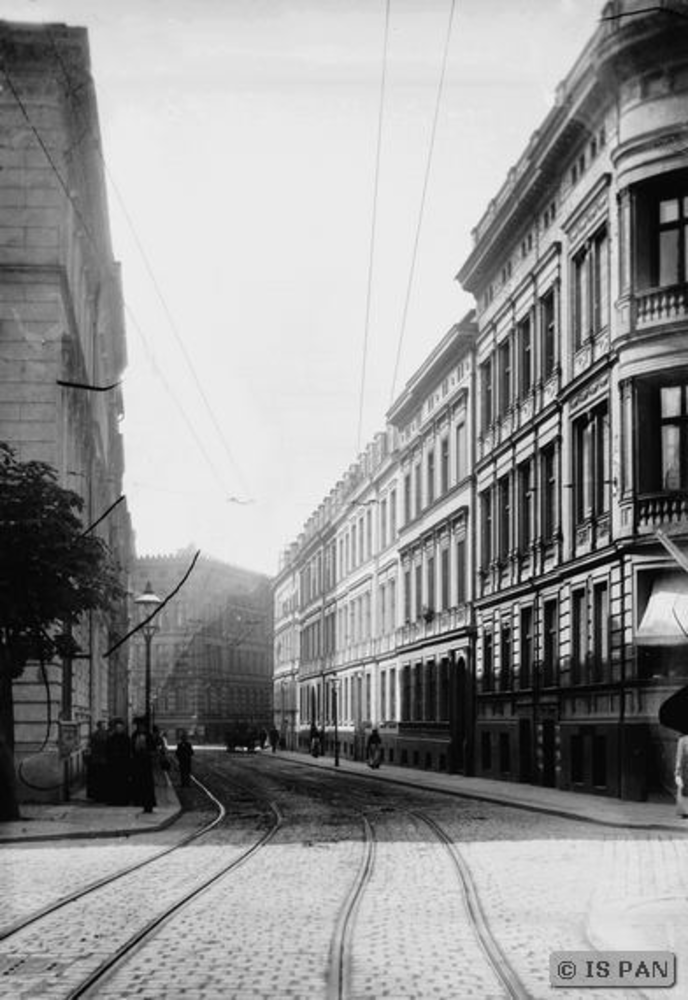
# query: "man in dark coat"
{"type": "Point", "coordinates": [118, 753]}
{"type": "Point", "coordinates": [184, 753]}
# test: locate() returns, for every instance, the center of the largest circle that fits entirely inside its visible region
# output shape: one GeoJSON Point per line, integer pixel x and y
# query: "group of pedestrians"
{"type": "Point", "coordinates": [120, 767]}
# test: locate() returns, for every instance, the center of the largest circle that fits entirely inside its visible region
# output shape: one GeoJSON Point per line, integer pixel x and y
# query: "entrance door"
{"type": "Point", "coordinates": [548, 745]}
{"type": "Point", "coordinates": [525, 750]}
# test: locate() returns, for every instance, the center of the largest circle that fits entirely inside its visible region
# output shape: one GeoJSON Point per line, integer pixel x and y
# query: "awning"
{"type": "Point", "coordinates": [665, 620]}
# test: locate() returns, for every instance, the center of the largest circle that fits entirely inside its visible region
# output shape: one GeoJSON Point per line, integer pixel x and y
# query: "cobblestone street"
{"type": "Point", "coordinates": [267, 928]}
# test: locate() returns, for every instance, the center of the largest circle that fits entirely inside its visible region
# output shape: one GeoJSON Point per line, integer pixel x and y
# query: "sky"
{"type": "Point", "coordinates": [290, 207]}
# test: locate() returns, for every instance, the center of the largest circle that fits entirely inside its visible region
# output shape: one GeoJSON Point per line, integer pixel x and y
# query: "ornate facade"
{"type": "Point", "coordinates": [539, 467]}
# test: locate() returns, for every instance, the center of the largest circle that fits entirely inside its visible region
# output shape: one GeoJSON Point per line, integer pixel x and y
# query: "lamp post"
{"type": "Point", "coordinates": [335, 709]}
{"type": "Point", "coordinates": [148, 602]}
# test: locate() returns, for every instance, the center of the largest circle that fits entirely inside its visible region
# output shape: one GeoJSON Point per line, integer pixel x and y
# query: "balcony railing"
{"type": "Point", "coordinates": [661, 508]}
{"type": "Point", "coordinates": [662, 305]}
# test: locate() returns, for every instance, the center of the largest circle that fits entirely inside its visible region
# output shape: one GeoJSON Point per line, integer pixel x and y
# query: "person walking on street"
{"type": "Point", "coordinates": [184, 753]}
{"type": "Point", "coordinates": [274, 739]}
{"type": "Point", "coordinates": [374, 749]}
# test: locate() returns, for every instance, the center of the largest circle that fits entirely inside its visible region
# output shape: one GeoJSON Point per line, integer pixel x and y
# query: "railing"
{"type": "Point", "coordinates": [662, 305]}
{"type": "Point", "coordinates": [661, 508]}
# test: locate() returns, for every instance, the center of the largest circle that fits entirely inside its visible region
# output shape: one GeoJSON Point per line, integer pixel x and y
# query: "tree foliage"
{"type": "Point", "coordinates": [51, 569]}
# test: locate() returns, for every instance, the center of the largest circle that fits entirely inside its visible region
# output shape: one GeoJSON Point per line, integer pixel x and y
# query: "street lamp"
{"type": "Point", "coordinates": [148, 602]}
{"type": "Point", "coordinates": [335, 708]}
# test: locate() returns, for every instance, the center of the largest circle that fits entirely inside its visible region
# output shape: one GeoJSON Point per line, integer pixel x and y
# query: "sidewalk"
{"type": "Point", "coordinates": [81, 818]}
{"type": "Point", "coordinates": [589, 808]}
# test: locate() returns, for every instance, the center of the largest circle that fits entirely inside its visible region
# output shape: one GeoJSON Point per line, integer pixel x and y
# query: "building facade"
{"type": "Point", "coordinates": [211, 662]}
{"type": "Point", "coordinates": [539, 464]}
{"type": "Point", "coordinates": [579, 275]}
{"type": "Point", "coordinates": [372, 601]}
{"type": "Point", "coordinates": [62, 356]}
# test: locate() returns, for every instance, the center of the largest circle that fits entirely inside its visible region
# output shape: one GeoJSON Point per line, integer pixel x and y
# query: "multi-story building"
{"type": "Point", "coordinates": [541, 609]}
{"type": "Point", "coordinates": [211, 657]}
{"type": "Point", "coordinates": [433, 417]}
{"type": "Point", "coordinates": [579, 274]}
{"type": "Point", "coordinates": [63, 354]}
{"type": "Point", "coordinates": [377, 587]}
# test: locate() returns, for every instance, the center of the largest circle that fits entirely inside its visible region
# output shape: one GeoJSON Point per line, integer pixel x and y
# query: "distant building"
{"type": "Point", "coordinates": [61, 331]}
{"type": "Point", "coordinates": [211, 658]}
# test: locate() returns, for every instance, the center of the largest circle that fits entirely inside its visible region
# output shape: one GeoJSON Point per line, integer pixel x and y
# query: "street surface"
{"type": "Point", "coordinates": [353, 873]}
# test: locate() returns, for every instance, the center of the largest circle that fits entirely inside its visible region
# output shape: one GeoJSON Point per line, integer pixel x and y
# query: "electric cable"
{"type": "Point", "coordinates": [371, 257]}
{"type": "Point", "coordinates": [421, 211]}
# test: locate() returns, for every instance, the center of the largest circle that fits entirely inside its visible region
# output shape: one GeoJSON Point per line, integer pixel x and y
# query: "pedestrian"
{"type": "Point", "coordinates": [160, 745]}
{"type": "Point", "coordinates": [681, 775]}
{"type": "Point", "coordinates": [263, 738]}
{"type": "Point", "coordinates": [118, 753]}
{"type": "Point", "coordinates": [274, 739]}
{"type": "Point", "coordinates": [97, 763]}
{"type": "Point", "coordinates": [315, 740]}
{"type": "Point", "coordinates": [143, 752]}
{"type": "Point", "coordinates": [184, 753]}
{"type": "Point", "coordinates": [374, 749]}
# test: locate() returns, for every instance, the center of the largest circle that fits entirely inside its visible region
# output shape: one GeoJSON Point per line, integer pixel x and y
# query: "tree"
{"type": "Point", "coordinates": [52, 570]}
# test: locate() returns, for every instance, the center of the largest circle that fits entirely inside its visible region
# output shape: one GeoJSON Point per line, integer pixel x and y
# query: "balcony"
{"type": "Point", "coordinates": [656, 510]}
{"type": "Point", "coordinates": [660, 306]}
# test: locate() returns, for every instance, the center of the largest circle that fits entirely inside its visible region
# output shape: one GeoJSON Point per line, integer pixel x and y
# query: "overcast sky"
{"type": "Point", "coordinates": [240, 139]}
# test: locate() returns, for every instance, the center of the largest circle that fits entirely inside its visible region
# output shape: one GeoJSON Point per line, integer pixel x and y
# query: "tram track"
{"type": "Point", "coordinates": [84, 984]}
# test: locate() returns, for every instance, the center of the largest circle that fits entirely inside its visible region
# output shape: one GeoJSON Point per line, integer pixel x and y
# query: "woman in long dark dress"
{"type": "Point", "coordinates": [118, 754]}
{"type": "Point", "coordinates": [143, 750]}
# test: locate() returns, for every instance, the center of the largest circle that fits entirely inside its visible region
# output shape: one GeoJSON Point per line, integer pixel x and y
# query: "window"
{"type": "Point", "coordinates": [382, 602]}
{"type": "Point", "coordinates": [504, 508]}
{"type": "Point", "coordinates": [488, 665]}
{"type": "Point", "coordinates": [527, 648]}
{"type": "Point", "coordinates": [591, 288]}
{"type": "Point", "coordinates": [392, 593]}
{"type": "Point", "coordinates": [431, 584]}
{"type": "Point", "coordinates": [548, 479]}
{"type": "Point", "coordinates": [461, 572]}
{"type": "Point", "coordinates": [672, 226]}
{"type": "Point", "coordinates": [369, 532]}
{"type": "Point", "coordinates": [486, 526]}
{"type": "Point", "coordinates": [393, 514]}
{"type": "Point", "coordinates": [600, 638]}
{"type": "Point", "coordinates": [661, 434]}
{"type": "Point", "coordinates": [444, 465]}
{"type": "Point", "coordinates": [353, 546]}
{"type": "Point", "coordinates": [591, 464]}
{"type": "Point", "coordinates": [408, 515]}
{"type": "Point", "coordinates": [548, 334]}
{"type": "Point", "coordinates": [444, 579]}
{"type": "Point", "coordinates": [461, 451]}
{"type": "Point", "coordinates": [525, 359]}
{"type": "Point", "coordinates": [579, 637]}
{"type": "Point", "coordinates": [430, 460]}
{"type": "Point", "coordinates": [674, 436]}
{"type": "Point", "coordinates": [525, 505]}
{"type": "Point", "coordinates": [419, 590]}
{"type": "Point", "coordinates": [383, 523]}
{"type": "Point", "coordinates": [419, 489]}
{"type": "Point", "coordinates": [505, 389]}
{"type": "Point", "coordinates": [407, 595]}
{"type": "Point", "coordinates": [505, 659]}
{"type": "Point", "coordinates": [487, 402]}
{"type": "Point", "coordinates": [551, 643]}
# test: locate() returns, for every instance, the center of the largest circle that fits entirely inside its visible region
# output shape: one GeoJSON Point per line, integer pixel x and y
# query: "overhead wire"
{"type": "Point", "coordinates": [373, 228]}
{"type": "Point", "coordinates": [159, 294]}
{"type": "Point", "coordinates": [421, 211]}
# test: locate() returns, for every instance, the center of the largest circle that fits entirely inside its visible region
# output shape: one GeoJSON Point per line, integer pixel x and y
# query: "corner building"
{"type": "Point", "coordinates": [580, 275]}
